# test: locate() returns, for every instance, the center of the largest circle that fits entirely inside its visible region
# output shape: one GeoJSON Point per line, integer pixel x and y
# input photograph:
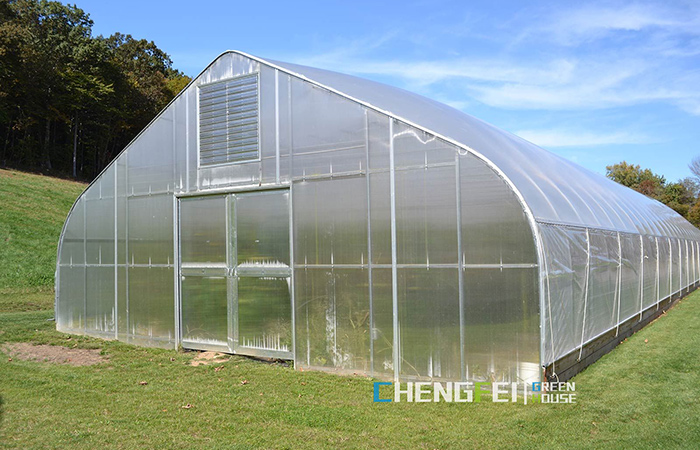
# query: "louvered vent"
{"type": "Point", "coordinates": [228, 121]}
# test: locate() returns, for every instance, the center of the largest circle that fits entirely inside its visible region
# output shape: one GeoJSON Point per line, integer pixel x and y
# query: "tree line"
{"type": "Point", "coordinates": [71, 101]}
{"type": "Point", "coordinates": [683, 196]}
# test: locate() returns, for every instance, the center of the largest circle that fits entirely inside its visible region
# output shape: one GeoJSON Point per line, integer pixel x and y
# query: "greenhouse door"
{"type": "Point", "coordinates": [259, 226]}
{"type": "Point", "coordinates": [235, 274]}
{"type": "Point", "coordinates": [205, 281]}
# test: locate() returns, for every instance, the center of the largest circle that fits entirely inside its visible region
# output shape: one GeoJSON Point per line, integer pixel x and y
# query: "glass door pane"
{"type": "Point", "coordinates": [262, 274]}
{"type": "Point", "coordinates": [204, 274]}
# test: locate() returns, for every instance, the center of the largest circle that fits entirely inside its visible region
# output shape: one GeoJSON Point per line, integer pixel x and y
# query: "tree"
{"type": "Point", "coordinates": [69, 101]}
{"type": "Point", "coordinates": [633, 176]}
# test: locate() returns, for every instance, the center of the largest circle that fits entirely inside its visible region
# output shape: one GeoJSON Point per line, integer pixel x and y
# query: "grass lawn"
{"type": "Point", "coordinates": [644, 394]}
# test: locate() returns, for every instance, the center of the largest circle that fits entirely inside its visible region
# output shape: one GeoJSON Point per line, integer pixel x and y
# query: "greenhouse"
{"type": "Point", "coordinates": [282, 211]}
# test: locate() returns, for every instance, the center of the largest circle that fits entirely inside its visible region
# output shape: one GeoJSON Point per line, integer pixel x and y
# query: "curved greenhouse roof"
{"type": "Point", "coordinates": [555, 189]}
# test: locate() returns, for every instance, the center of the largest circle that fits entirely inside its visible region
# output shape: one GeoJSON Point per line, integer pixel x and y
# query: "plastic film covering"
{"type": "Point", "coordinates": [556, 190]}
{"type": "Point", "coordinates": [596, 280]}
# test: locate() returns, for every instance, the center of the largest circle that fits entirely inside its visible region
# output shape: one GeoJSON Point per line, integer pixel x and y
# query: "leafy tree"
{"type": "Point", "coordinates": [681, 196]}
{"type": "Point", "coordinates": [70, 101]}
{"type": "Point", "coordinates": [633, 176]}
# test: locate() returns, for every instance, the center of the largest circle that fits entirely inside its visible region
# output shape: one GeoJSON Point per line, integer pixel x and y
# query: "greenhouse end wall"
{"type": "Point", "coordinates": [450, 291]}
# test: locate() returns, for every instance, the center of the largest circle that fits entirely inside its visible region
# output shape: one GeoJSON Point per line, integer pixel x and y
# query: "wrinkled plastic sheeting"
{"type": "Point", "coordinates": [597, 279]}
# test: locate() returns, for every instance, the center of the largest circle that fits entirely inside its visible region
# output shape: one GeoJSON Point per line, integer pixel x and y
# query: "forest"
{"type": "Point", "coordinates": [71, 101]}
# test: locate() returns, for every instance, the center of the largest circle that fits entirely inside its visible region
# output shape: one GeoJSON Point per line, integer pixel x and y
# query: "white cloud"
{"type": "Point", "coordinates": [558, 138]}
{"type": "Point", "coordinates": [532, 71]}
{"type": "Point", "coordinates": [571, 27]}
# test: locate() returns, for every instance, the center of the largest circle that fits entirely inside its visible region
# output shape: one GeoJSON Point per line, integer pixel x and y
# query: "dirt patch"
{"type": "Point", "coordinates": [54, 354]}
{"type": "Point", "coordinates": [205, 358]}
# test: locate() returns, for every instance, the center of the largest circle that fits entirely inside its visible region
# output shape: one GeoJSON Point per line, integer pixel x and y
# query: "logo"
{"type": "Point", "coordinates": [474, 392]}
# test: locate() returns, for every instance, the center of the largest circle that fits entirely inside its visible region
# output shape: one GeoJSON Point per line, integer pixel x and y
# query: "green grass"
{"type": "Point", "coordinates": [32, 211]}
{"type": "Point", "coordinates": [644, 394]}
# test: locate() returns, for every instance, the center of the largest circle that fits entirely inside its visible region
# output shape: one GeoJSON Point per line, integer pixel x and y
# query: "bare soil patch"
{"type": "Point", "coordinates": [53, 354]}
{"type": "Point", "coordinates": [206, 358]}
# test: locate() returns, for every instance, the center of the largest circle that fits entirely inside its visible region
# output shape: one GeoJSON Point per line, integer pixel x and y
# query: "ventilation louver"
{"type": "Point", "coordinates": [228, 121]}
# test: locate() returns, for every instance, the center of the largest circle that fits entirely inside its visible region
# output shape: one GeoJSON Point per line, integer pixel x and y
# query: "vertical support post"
{"type": "Point", "coordinates": [126, 240]}
{"type": "Point", "coordinates": [394, 270]}
{"type": "Point", "coordinates": [680, 267]}
{"type": "Point", "coordinates": [187, 142]}
{"type": "Point", "coordinates": [85, 262]}
{"type": "Point", "coordinates": [641, 277]}
{"type": "Point", "coordinates": [544, 271]}
{"type": "Point", "coordinates": [277, 127]}
{"type": "Point", "coordinates": [369, 248]}
{"type": "Point", "coordinates": [115, 316]}
{"type": "Point", "coordinates": [176, 269]}
{"type": "Point", "coordinates": [291, 275]}
{"type": "Point", "coordinates": [670, 268]}
{"type": "Point", "coordinates": [618, 289]}
{"type": "Point", "coordinates": [585, 291]}
{"type": "Point", "coordinates": [658, 273]}
{"type": "Point", "coordinates": [460, 273]}
{"type": "Point", "coordinates": [291, 223]}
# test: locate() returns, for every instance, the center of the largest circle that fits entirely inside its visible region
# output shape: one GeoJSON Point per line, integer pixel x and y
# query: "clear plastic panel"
{"type": "Point", "coordinates": [380, 217]}
{"type": "Point", "coordinates": [502, 325]}
{"type": "Point", "coordinates": [71, 310]}
{"type": "Point", "coordinates": [426, 216]}
{"type": "Point", "coordinates": [205, 310]}
{"type": "Point", "coordinates": [650, 272]}
{"type": "Point", "coordinates": [122, 211]}
{"type": "Point", "coordinates": [378, 140]}
{"type": "Point", "coordinates": [73, 242]}
{"type": "Point", "coordinates": [664, 268]}
{"type": "Point", "coordinates": [203, 241]}
{"type": "Point", "coordinates": [603, 284]}
{"type": "Point", "coordinates": [415, 148]}
{"type": "Point", "coordinates": [330, 221]}
{"type": "Point", "coordinates": [316, 339]}
{"type": "Point", "coordinates": [328, 133]}
{"type": "Point", "coordinates": [264, 314]}
{"type": "Point", "coordinates": [122, 290]}
{"type": "Point", "coordinates": [429, 329]}
{"type": "Point", "coordinates": [229, 175]}
{"type": "Point", "coordinates": [151, 229]}
{"type": "Point", "coordinates": [675, 265]}
{"type": "Point", "coordinates": [383, 322]}
{"type": "Point", "coordinates": [631, 273]}
{"type": "Point", "coordinates": [151, 158]}
{"type": "Point", "coordinates": [100, 231]}
{"type": "Point", "coordinates": [495, 229]}
{"type": "Point", "coordinates": [151, 305]}
{"type": "Point", "coordinates": [268, 131]}
{"type": "Point", "coordinates": [351, 292]}
{"type": "Point", "coordinates": [100, 314]}
{"type": "Point", "coordinates": [262, 228]}
{"type": "Point", "coordinates": [566, 257]}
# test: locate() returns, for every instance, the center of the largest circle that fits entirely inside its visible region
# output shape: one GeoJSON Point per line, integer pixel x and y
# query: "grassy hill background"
{"type": "Point", "coordinates": [32, 211]}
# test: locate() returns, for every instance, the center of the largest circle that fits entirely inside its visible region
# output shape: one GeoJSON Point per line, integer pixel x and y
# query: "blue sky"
{"type": "Point", "coordinates": [596, 82]}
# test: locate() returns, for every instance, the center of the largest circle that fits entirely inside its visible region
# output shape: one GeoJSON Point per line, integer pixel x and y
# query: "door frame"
{"type": "Point", "coordinates": [231, 256]}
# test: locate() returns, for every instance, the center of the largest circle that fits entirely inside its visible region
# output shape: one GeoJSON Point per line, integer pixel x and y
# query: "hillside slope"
{"type": "Point", "coordinates": [32, 211]}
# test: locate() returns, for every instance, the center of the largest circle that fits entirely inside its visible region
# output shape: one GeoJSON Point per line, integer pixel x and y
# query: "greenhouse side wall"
{"type": "Point", "coordinates": [598, 281]}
